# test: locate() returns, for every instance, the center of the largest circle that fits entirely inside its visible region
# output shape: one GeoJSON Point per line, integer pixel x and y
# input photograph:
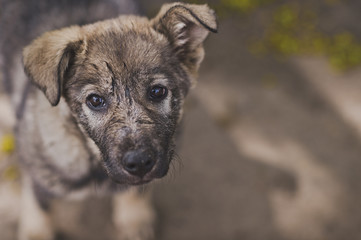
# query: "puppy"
{"type": "Point", "coordinates": [103, 105]}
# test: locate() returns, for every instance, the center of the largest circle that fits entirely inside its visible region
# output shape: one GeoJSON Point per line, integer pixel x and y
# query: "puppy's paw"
{"type": "Point", "coordinates": [34, 222]}
{"type": "Point", "coordinates": [37, 237]}
{"type": "Point", "coordinates": [35, 229]}
{"type": "Point", "coordinates": [137, 232]}
{"type": "Point", "coordinates": [134, 216]}
{"type": "Point", "coordinates": [36, 234]}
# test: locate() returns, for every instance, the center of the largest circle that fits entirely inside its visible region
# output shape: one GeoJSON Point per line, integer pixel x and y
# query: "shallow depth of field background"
{"type": "Point", "coordinates": [271, 139]}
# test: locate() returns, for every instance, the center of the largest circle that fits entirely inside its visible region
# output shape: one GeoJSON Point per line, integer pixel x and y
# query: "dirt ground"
{"type": "Point", "coordinates": [270, 149]}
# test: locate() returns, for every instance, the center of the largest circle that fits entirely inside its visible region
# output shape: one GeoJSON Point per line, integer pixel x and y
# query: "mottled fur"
{"type": "Point", "coordinates": [66, 146]}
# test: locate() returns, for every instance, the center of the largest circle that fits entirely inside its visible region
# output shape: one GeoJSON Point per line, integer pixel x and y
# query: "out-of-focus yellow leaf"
{"type": "Point", "coordinates": [7, 143]}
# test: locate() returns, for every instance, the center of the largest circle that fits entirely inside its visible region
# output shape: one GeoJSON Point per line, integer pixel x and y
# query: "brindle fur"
{"type": "Point", "coordinates": [65, 146]}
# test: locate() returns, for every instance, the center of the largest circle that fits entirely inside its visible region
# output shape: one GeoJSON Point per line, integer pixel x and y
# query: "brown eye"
{"type": "Point", "coordinates": [95, 102]}
{"type": "Point", "coordinates": [158, 93]}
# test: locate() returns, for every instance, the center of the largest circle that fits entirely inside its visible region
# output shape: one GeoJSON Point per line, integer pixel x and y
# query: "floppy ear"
{"type": "Point", "coordinates": [48, 57]}
{"type": "Point", "coordinates": [186, 26]}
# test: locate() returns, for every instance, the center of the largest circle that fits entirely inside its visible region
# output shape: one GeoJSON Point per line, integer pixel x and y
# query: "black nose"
{"type": "Point", "coordinates": [139, 162]}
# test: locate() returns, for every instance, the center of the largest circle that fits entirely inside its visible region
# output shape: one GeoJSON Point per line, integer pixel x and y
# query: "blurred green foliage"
{"type": "Point", "coordinates": [226, 7]}
{"type": "Point", "coordinates": [242, 6]}
{"type": "Point", "coordinates": [344, 51]}
{"type": "Point", "coordinates": [291, 29]}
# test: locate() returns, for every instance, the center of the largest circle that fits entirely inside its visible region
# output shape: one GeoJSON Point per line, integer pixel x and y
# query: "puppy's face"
{"type": "Point", "coordinates": [126, 90]}
{"type": "Point", "coordinates": [125, 81]}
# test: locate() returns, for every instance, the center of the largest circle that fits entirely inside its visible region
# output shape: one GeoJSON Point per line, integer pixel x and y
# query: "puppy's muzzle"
{"type": "Point", "coordinates": [139, 162]}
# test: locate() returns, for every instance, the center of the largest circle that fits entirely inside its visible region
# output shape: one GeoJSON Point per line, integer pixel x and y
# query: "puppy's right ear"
{"type": "Point", "coordinates": [186, 26]}
{"type": "Point", "coordinates": [48, 57]}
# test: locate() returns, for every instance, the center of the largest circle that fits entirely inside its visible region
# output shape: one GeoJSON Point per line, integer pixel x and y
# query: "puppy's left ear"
{"type": "Point", "coordinates": [47, 59]}
{"type": "Point", "coordinates": [186, 26]}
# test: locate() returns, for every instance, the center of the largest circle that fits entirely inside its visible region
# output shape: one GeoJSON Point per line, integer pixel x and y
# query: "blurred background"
{"type": "Point", "coordinates": [271, 139]}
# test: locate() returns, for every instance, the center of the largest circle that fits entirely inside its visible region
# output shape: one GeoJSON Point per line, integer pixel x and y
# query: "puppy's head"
{"type": "Point", "coordinates": [125, 80]}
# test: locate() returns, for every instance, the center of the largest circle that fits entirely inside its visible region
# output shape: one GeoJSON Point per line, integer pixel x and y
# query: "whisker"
{"type": "Point", "coordinates": [175, 167]}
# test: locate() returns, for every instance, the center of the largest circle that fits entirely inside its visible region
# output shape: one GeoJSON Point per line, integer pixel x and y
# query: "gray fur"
{"type": "Point", "coordinates": [119, 59]}
{"type": "Point", "coordinates": [66, 145]}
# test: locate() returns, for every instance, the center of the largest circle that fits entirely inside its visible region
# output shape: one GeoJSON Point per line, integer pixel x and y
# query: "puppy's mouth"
{"type": "Point", "coordinates": [141, 182]}
{"type": "Point", "coordinates": [141, 172]}
{"type": "Point", "coordinates": [123, 177]}
{"type": "Point", "coordinates": [129, 181]}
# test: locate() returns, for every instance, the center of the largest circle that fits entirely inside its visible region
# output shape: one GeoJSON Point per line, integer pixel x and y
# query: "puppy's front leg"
{"type": "Point", "coordinates": [133, 215]}
{"type": "Point", "coordinates": [34, 222]}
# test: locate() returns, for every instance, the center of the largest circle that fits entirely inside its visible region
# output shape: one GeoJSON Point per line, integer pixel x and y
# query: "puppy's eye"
{"type": "Point", "coordinates": [95, 102]}
{"type": "Point", "coordinates": [158, 93]}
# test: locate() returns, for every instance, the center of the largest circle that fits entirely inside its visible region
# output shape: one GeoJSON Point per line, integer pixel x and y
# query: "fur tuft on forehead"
{"type": "Point", "coordinates": [178, 26]}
